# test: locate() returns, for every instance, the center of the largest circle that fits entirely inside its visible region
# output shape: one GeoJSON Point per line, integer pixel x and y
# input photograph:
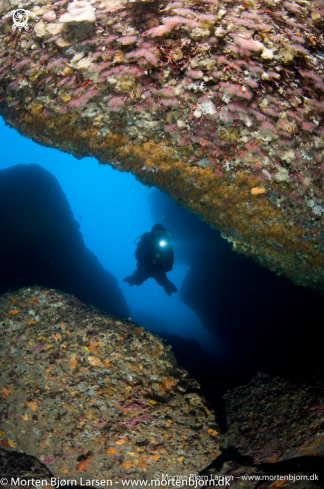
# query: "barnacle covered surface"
{"type": "Point", "coordinates": [206, 100]}
{"type": "Point", "coordinates": [84, 392]}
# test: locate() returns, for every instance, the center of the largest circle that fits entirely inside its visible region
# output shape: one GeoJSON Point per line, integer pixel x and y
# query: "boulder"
{"type": "Point", "coordinates": [86, 393]}
{"type": "Point", "coordinates": [273, 419]}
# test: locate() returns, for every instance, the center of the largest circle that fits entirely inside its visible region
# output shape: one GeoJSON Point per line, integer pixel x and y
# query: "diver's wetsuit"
{"type": "Point", "coordinates": [153, 259]}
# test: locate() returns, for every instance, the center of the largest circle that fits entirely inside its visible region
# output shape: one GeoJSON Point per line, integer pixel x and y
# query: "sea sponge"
{"type": "Point", "coordinates": [125, 84]}
{"type": "Point", "coordinates": [79, 11]}
{"type": "Point", "coordinates": [229, 134]}
{"type": "Point", "coordinates": [258, 190]}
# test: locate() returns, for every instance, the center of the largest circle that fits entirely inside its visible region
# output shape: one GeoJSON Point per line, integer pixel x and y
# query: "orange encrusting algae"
{"type": "Point", "coordinates": [223, 202]}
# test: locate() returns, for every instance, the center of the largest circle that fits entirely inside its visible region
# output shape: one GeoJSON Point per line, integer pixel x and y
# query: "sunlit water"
{"type": "Point", "coordinates": [112, 210]}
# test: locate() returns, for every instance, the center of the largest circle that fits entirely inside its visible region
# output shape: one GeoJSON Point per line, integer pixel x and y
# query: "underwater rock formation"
{"type": "Point", "coordinates": [274, 435]}
{"type": "Point", "coordinates": [273, 419]}
{"type": "Point", "coordinates": [218, 103]}
{"type": "Point", "coordinates": [82, 391]}
{"type": "Point", "coordinates": [250, 309]}
{"type": "Point", "coordinates": [14, 464]}
{"type": "Point", "coordinates": [41, 242]}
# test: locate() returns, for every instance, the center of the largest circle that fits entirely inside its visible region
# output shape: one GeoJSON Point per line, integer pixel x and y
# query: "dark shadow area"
{"type": "Point", "coordinates": [231, 462]}
{"type": "Point", "coordinates": [213, 379]}
{"type": "Point", "coordinates": [15, 464]}
{"type": "Point", "coordinates": [266, 321]}
{"type": "Point", "coordinates": [41, 242]}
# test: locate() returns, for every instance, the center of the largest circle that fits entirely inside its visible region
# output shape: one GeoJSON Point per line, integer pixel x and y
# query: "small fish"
{"type": "Point", "coordinates": [82, 464]}
{"type": "Point", "coordinates": [80, 217]}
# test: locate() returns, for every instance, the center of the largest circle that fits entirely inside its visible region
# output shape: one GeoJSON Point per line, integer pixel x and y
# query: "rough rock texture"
{"type": "Point", "coordinates": [296, 474]}
{"type": "Point", "coordinates": [83, 392]}
{"type": "Point", "coordinates": [41, 242]}
{"type": "Point", "coordinates": [218, 103]}
{"type": "Point", "coordinates": [13, 464]}
{"type": "Point", "coordinates": [273, 419]}
{"type": "Point", "coordinates": [275, 435]}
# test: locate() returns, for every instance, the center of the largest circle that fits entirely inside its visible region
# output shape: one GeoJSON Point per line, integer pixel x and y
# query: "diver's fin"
{"type": "Point", "coordinates": [129, 280]}
{"type": "Point", "coordinates": [169, 287]}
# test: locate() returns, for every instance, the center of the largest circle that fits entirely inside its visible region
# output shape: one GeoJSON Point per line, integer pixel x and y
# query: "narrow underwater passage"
{"type": "Point", "coordinates": [112, 210]}
{"type": "Point", "coordinates": [221, 104]}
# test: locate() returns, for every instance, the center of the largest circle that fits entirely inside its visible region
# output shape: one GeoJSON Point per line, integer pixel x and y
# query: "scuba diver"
{"type": "Point", "coordinates": [154, 255]}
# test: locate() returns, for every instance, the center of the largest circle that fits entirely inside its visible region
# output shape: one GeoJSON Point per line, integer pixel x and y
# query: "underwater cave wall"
{"type": "Point", "coordinates": [219, 104]}
{"type": "Point", "coordinates": [41, 242]}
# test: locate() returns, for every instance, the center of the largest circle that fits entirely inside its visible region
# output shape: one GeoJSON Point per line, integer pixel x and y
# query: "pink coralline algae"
{"type": "Point", "coordinates": [50, 16]}
{"type": "Point", "coordinates": [57, 64]}
{"type": "Point", "coordinates": [206, 79]}
{"type": "Point", "coordinates": [48, 459]}
{"type": "Point", "coordinates": [130, 422]}
{"type": "Point", "coordinates": [116, 103]}
{"type": "Point", "coordinates": [82, 100]}
{"type": "Point", "coordinates": [160, 30]}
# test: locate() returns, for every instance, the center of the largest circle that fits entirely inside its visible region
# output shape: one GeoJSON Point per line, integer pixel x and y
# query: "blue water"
{"type": "Point", "coordinates": [114, 210]}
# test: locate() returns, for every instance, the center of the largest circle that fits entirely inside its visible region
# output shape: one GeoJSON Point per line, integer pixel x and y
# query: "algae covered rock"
{"type": "Point", "coordinates": [204, 100]}
{"type": "Point", "coordinates": [273, 419]}
{"type": "Point", "coordinates": [83, 391]}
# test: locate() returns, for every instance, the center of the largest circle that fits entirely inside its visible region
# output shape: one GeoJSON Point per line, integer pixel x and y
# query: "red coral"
{"type": "Point", "coordinates": [109, 40]}
{"type": "Point", "coordinates": [194, 73]}
{"type": "Point", "coordinates": [257, 114]}
{"type": "Point", "coordinates": [83, 99]}
{"type": "Point", "coordinates": [21, 64]}
{"type": "Point", "coordinates": [246, 44]}
{"type": "Point", "coordinates": [141, 54]}
{"type": "Point", "coordinates": [176, 20]}
{"type": "Point", "coordinates": [171, 128]}
{"type": "Point", "coordinates": [63, 81]}
{"type": "Point", "coordinates": [160, 30]}
{"type": "Point", "coordinates": [56, 64]}
{"type": "Point", "coordinates": [308, 126]}
{"type": "Point", "coordinates": [267, 126]}
{"type": "Point", "coordinates": [170, 102]}
{"type": "Point", "coordinates": [185, 12]}
{"type": "Point", "coordinates": [115, 103]}
{"type": "Point", "coordinates": [3, 73]}
{"type": "Point", "coordinates": [270, 111]}
{"type": "Point", "coordinates": [127, 40]}
{"type": "Point", "coordinates": [236, 90]}
{"type": "Point", "coordinates": [168, 92]}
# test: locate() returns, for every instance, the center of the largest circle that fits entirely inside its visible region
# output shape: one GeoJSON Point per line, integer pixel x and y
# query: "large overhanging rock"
{"type": "Point", "coordinates": [86, 393]}
{"type": "Point", "coordinates": [218, 103]}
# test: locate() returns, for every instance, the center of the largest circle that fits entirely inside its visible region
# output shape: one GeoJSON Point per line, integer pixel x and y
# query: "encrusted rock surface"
{"type": "Point", "coordinates": [272, 419]}
{"type": "Point", "coordinates": [14, 465]}
{"type": "Point", "coordinates": [84, 392]}
{"type": "Point", "coordinates": [218, 103]}
{"type": "Point", "coordinates": [275, 435]}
